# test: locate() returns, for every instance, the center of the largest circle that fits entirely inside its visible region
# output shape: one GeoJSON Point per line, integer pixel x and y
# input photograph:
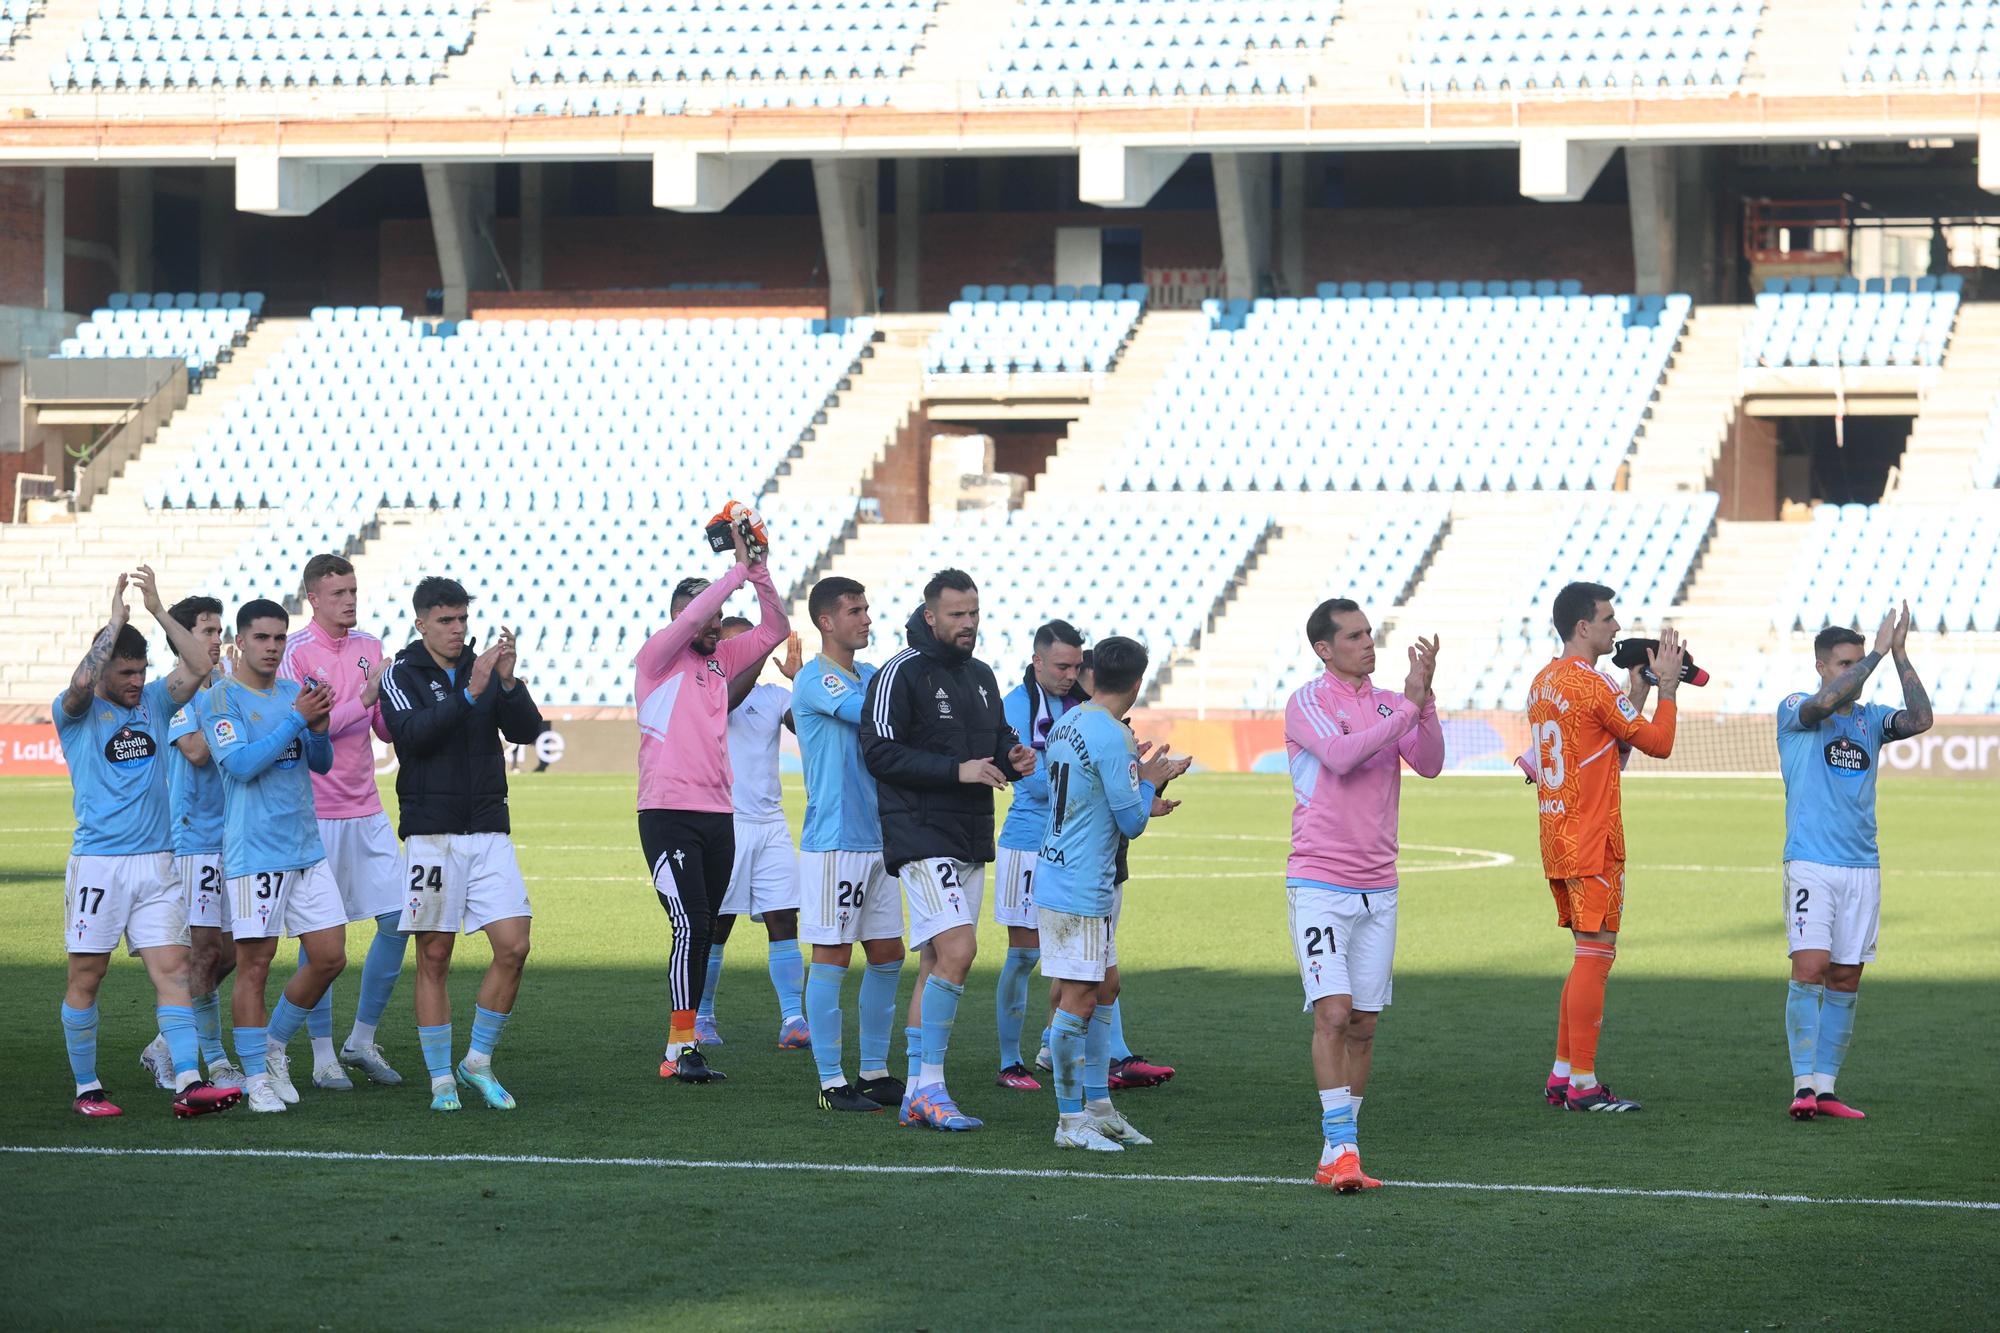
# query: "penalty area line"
{"type": "Point", "coordinates": [988, 1172]}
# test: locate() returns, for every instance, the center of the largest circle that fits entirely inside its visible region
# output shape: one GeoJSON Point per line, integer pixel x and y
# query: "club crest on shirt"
{"type": "Point", "coordinates": [984, 701]}
{"type": "Point", "coordinates": [715, 668]}
{"type": "Point", "coordinates": [943, 703]}
{"type": "Point", "coordinates": [128, 745]}
{"type": "Point", "coordinates": [1383, 710]}
{"type": "Point", "coordinates": [361, 662]}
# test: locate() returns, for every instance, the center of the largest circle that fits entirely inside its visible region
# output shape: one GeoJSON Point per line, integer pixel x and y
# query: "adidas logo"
{"type": "Point", "coordinates": [942, 695]}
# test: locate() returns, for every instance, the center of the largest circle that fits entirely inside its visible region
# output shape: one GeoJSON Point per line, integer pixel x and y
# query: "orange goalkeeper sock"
{"type": "Point", "coordinates": [680, 1028]}
{"type": "Point", "coordinates": [1562, 1021]}
{"type": "Point", "coordinates": [1583, 1005]}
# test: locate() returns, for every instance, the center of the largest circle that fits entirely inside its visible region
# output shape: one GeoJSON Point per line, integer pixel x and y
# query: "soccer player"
{"type": "Point", "coordinates": [1347, 741]}
{"type": "Point", "coordinates": [120, 878]}
{"type": "Point", "coordinates": [686, 826]}
{"type": "Point", "coordinates": [1032, 709]}
{"type": "Point", "coordinates": [447, 711]}
{"type": "Point", "coordinates": [844, 893]}
{"type": "Point", "coordinates": [1827, 749]}
{"type": "Point", "coordinates": [360, 846]}
{"type": "Point", "coordinates": [935, 737]}
{"type": "Point", "coordinates": [1582, 729]}
{"type": "Point", "coordinates": [1101, 788]}
{"type": "Point", "coordinates": [259, 729]}
{"type": "Point", "coordinates": [194, 804]}
{"type": "Point", "coordinates": [764, 878]}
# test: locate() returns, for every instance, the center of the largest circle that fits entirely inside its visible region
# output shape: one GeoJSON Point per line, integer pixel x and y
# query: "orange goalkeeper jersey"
{"type": "Point", "coordinates": [1576, 718]}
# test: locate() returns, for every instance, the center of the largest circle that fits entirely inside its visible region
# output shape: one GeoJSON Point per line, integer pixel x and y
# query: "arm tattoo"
{"type": "Point", "coordinates": [1839, 692]}
{"type": "Point", "coordinates": [83, 682]}
{"type": "Point", "coordinates": [1915, 717]}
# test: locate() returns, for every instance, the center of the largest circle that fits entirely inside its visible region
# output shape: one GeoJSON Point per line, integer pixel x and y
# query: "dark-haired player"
{"type": "Point", "coordinates": [1828, 747]}
{"type": "Point", "coordinates": [120, 879]}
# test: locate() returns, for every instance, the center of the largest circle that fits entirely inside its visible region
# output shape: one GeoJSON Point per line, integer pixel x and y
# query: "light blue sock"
{"type": "Point", "coordinates": [788, 976]}
{"type": "Point", "coordinates": [1337, 1125]}
{"type": "Point", "coordinates": [379, 971]}
{"type": "Point", "coordinates": [1836, 1030]}
{"type": "Point", "coordinates": [436, 1043]}
{"type": "Point", "coordinates": [486, 1029]}
{"type": "Point", "coordinates": [823, 984]}
{"type": "Point", "coordinates": [1010, 1002]}
{"type": "Point", "coordinates": [208, 1027]}
{"type": "Point", "coordinates": [250, 1045]}
{"type": "Point", "coordinates": [878, 1015]}
{"type": "Point", "coordinates": [1068, 1041]}
{"type": "Point", "coordinates": [319, 1022]}
{"type": "Point", "coordinates": [706, 1008]}
{"type": "Point", "coordinates": [285, 1021]}
{"type": "Point", "coordinates": [1802, 1022]}
{"type": "Point", "coordinates": [1118, 1049]}
{"type": "Point", "coordinates": [1097, 1057]}
{"type": "Point", "coordinates": [913, 1046]}
{"type": "Point", "coordinates": [177, 1026]}
{"type": "Point", "coordinates": [939, 1011]}
{"type": "Point", "coordinates": [80, 1036]}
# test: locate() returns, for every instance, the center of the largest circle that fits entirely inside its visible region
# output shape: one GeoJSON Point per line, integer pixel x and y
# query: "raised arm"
{"type": "Point", "coordinates": [660, 650]}
{"type": "Point", "coordinates": [1845, 688]}
{"type": "Point", "coordinates": [1308, 726]}
{"type": "Point", "coordinates": [1422, 747]}
{"type": "Point", "coordinates": [192, 667]}
{"type": "Point", "coordinates": [83, 681]}
{"type": "Point", "coordinates": [772, 625]}
{"type": "Point", "coordinates": [1914, 717]}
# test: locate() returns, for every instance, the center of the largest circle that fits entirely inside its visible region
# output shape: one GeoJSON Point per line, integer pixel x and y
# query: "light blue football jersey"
{"type": "Point", "coordinates": [1830, 783]}
{"type": "Point", "coordinates": [117, 775]}
{"type": "Point", "coordinates": [1028, 802]}
{"type": "Point", "coordinates": [194, 792]}
{"type": "Point", "coordinates": [267, 756]}
{"type": "Point", "coordinates": [840, 791]}
{"type": "Point", "coordinates": [1095, 796]}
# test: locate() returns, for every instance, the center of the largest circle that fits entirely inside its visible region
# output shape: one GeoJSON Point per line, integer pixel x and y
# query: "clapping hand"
{"type": "Point", "coordinates": [1899, 641]}
{"type": "Point", "coordinates": [1666, 661]}
{"type": "Point", "coordinates": [1023, 759]}
{"type": "Point", "coordinates": [504, 663]}
{"type": "Point", "coordinates": [1158, 767]}
{"type": "Point", "coordinates": [148, 585]}
{"type": "Point", "coordinates": [793, 660]}
{"type": "Point", "coordinates": [315, 705]}
{"type": "Point", "coordinates": [1423, 666]}
{"type": "Point", "coordinates": [121, 614]}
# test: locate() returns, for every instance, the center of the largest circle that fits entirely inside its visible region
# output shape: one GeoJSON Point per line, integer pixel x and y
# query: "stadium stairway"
{"type": "Point", "coordinates": [963, 38]}
{"type": "Point", "coordinates": [867, 416]}
{"type": "Point", "coordinates": [43, 43]}
{"type": "Point", "coordinates": [1725, 615]}
{"type": "Point", "coordinates": [1683, 435]}
{"type": "Point", "coordinates": [1937, 461]}
{"type": "Point", "coordinates": [396, 546]}
{"type": "Point", "coordinates": [878, 555]}
{"type": "Point", "coordinates": [1364, 54]}
{"type": "Point", "coordinates": [483, 77]}
{"type": "Point", "coordinates": [1087, 452]}
{"type": "Point", "coordinates": [1800, 42]}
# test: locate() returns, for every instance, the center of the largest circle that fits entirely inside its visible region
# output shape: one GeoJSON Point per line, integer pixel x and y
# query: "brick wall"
{"type": "Point", "coordinates": [21, 194]}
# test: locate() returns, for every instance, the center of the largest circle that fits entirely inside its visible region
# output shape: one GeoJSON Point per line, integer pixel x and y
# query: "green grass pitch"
{"type": "Point", "coordinates": [1693, 1029]}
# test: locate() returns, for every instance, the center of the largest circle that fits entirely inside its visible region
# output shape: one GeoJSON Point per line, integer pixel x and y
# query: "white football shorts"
{"type": "Point", "coordinates": [367, 864]}
{"type": "Point", "coordinates": [1014, 888]}
{"type": "Point", "coordinates": [204, 889]}
{"type": "Point", "coordinates": [137, 897]}
{"type": "Point", "coordinates": [1077, 948]}
{"type": "Point", "coordinates": [274, 903]}
{"type": "Point", "coordinates": [1345, 943]}
{"type": "Point", "coordinates": [765, 875]}
{"type": "Point", "coordinates": [847, 897]}
{"type": "Point", "coordinates": [1835, 908]}
{"type": "Point", "coordinates": [942, 893]}
{"type": "Point", "coordinates": [461, 882]}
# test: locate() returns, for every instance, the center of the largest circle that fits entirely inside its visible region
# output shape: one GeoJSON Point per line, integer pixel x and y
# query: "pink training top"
{"type": "Point", "coordinates": [347, 790]}
{"type": "Point", "coordinates": [684, 697]}
{"type": "Point", "coordinates": [1347, 745]}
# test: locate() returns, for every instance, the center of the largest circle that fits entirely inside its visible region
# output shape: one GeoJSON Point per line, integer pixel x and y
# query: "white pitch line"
{"type": "Point", "coordinates": [985, 1172]}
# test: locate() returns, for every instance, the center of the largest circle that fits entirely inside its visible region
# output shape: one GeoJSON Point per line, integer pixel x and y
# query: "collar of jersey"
{"type": "Point", "coordinates": [843, 672]}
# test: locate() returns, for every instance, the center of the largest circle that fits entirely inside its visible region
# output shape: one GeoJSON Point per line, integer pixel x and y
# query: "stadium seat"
{"type": "Point", "coordinates": [1035, 333]}
{"type": "Point", "coordinates": [163, 324]}
{"type": "Point", "coordinates": [1836, 323]}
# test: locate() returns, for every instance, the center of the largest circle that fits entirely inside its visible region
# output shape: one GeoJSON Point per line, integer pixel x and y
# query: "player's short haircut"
{"type": "Point", "coordinates": [1578, 601]}
{"type": "Point", "coordinates": [190, 609]}
{"type": "Point", "coordinates": [259, 608]}
{"type": "Point", "coordinates": [129, 645]}
{"type": "Point", "coordinates": [1835, 636]}
{"type": "Point", "coordinates": [324, 567]}
{"type": "Point", "coordinates": [1055, 632]}
{"type": "Point", "coordinates": [955, 579]}
{"type": "Point", "coordinates": [1319, 625]}
{"type": "Point", "coordinates": [1120, 664]}
{"type": "Point", "coordinates": [686, 591]}
{"type": "Point", "coordinates": [736, 622]}
{"type": "Point", "coordinates": [825, 597]}
{"type": "Point", "coordinates": [436, 591]}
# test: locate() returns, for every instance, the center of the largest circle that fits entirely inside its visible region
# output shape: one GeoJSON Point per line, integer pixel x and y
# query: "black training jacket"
{"type": "Point", "coordinates": [928, 710]}
{"type": "Point", "coordinates": [451, 774]}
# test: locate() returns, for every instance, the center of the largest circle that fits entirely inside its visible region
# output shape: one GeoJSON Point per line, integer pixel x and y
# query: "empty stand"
{"type": "Point", "coordinates": [1158, 48]}
{"type": "Point", "coordinates": [1042, 328]}
{"type": "Point", "coordinates": [198, 327]}
{"type": "Point", "coordinates": [756, 52]}
{"type": "Point", "coordinates": [184, 44]}
{"type": "Point", "coordinates": [1846, 322]}
{"type": "Point", "coordinates": [1400, 386]}
{"type": "Point", "coordinates": [1488, 45]}
{"type": "Point", "coordinates": [14, 18]}
{"type": "Point", "coordinates": [1902, 41]}
{"type": "Point", "coordinates": [1860, 559]}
